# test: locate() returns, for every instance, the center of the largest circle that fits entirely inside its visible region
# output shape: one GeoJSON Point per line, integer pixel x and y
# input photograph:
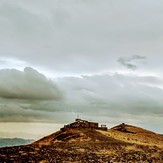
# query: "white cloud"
{"type": "Point", "coordinates": [81, 37]}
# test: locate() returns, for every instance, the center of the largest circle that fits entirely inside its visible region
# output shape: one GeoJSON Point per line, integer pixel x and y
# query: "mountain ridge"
{"type": "Point", "coordinates": [8, 142]}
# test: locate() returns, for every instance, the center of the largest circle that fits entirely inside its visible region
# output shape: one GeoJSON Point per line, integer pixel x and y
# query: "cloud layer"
{"type": "Point", "coordinates": [115, 93]}
{"type": "Point", "coordinates": [110, 97]}
{"type": "Point", "coordinates": [81, 37]}
{"type": "Point", "coordinates": [27, 84]}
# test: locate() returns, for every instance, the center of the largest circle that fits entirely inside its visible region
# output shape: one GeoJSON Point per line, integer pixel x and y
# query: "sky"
{"type": "Point", "coordinates": [99, 60]}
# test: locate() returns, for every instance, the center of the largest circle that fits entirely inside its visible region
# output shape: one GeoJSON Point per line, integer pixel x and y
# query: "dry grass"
{"type": "Point", "coordinates": [81, 150]}
{"type": "Point", "coordinates": [139, 136]}
{"type": "Point", "coordinates": [106, 152]}
{"type": "Point", "coordinates": [132, 148]}
{"type": "Point", "coordinates": [87, 145]}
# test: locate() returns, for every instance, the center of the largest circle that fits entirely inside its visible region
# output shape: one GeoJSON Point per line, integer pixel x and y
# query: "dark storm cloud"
{"type": "Point", "coordinates": [28, 84]}
{"type": "Point", "coordinates": [29, 112]}
{"type": "Point", "coordinates": [131, 62]}
{"type": "Point", "coordinates": [15, 112]}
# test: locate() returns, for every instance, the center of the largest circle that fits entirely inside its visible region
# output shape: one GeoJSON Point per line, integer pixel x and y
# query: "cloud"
{"type": "Point", "coordinates": [37, 113]}
{"type": "Point", "coordinates": [28, 96]}
{"type": "Point", "coordinates": [87, 41]}
{"type": "Point", "coordinates": [112, 95]}
{"type": "Point", "coordinates": [28, 85]}
{"type": "Point", "coordinates": [113, 98]}
{"type": "Point", "coordinates": [131, 62]}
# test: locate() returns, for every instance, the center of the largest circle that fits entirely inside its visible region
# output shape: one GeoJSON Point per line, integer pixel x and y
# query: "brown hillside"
{"type": "Point", "coordinates": [75, 135]}
{"type": "Point", "coordinates": [120, 144]}
{"type": "Point", "coordinates": [137, 135]}
{"type": "Point", "coordinates": [120, 133]}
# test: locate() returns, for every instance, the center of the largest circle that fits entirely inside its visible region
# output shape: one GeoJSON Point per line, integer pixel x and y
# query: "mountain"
{"type": "Point", "coordinates": [6, 142]}
{"type": "Point", "coordinates": [122, 143]}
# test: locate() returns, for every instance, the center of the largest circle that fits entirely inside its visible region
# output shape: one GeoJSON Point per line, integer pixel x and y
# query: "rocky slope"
{"type": "Point", "coordinates": [87, 145]}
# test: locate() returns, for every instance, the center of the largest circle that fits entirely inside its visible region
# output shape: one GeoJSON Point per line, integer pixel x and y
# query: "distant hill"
{"type": "Point", "coordinates": [7, 142]}
{"type": "Point", "coordinates": [137, 135]}
{"type": "Point", "coordinates": [122, 143]}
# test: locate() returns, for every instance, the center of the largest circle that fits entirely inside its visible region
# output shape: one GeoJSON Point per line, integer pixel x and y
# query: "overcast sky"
{"type": "Point", "coordinates": [101, 60]}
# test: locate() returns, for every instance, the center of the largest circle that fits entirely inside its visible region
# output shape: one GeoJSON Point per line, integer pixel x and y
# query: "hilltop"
{"type": "Point", "coordinates": [75, 136]}
{"type": "Point", "coordinates": [122, 143]}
